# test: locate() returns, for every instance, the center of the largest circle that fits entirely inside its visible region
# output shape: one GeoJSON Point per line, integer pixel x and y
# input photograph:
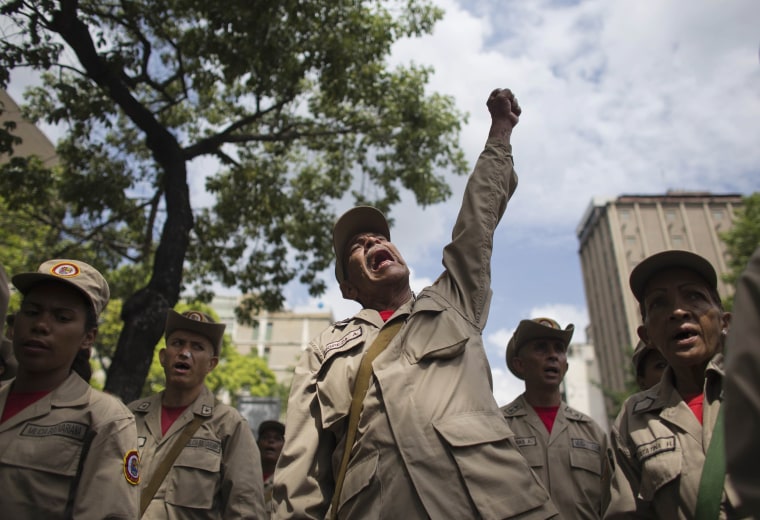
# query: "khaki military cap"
{"type": "Point", "coordinates": [652, 265]}
{"type": "Point", "coordinates": [78, 274]}
{"type": "Point", "coordinates": [271, 425]}
{"type": "Point", "coordinates": [198, 322]}
{"type": "Point", "coordinates": [357, 220]}
{"type": "Point", "coordinates": [537, 328]}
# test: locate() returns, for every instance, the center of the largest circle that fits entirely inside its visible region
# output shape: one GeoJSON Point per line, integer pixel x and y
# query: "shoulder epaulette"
{"type": "Point", "coordinates": [644, 404]}
{"type": "Point", "coordinates": [512, 409]}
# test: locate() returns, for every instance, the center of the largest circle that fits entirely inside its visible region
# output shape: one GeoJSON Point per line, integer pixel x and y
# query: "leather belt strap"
{"type": "Point", "coordinates": [357, 401]}
{"type": "Point", "coordinates": [149, 491]}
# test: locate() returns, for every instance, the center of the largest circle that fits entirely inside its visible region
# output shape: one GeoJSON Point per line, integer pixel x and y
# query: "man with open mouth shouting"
{"type": "Point", "coordinates": [391, 413]}
{"type": "Point", "coordinates": [667, 443]}
{"type": "Point", "coordinates": [198, 456]}
{"type": "Point", "coordinates": [565, 447]}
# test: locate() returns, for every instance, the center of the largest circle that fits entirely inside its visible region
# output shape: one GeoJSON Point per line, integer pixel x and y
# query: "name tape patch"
{"type": "Point", "coordinates": [342, 341]}
{"type": "Point", "coordinates": [651, 449]}
{"type": "Point", "coordinates": [586, 445]}
{"type": "Point", "coordinates": [525, 441]}
{"type": "Point", "coordinates": [197, 442]}
{"type": "Point", "coordinates": [72, 430]}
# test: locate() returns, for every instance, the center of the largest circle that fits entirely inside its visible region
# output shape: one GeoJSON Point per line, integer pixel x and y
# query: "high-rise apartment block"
{"type": "Point", "coordinates": [617, 234]}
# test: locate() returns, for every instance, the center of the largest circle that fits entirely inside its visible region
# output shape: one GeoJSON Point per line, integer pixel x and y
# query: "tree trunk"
{"type": "Point", "coordinates": [144, 313]}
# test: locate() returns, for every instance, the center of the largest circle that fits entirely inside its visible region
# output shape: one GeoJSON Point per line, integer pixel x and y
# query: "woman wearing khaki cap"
{"type": "Point", "coordinates": [66, 449]}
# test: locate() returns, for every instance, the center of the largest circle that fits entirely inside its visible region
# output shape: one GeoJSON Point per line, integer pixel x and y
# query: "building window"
{"type": "Point", "coordinates": [670, 215]}
{"type": "Point", "coordinates": [625, 215]}
{"type": "Point", "coordinates": [268, 335]}
{"type": "Point", "coordinates": [717, 215]}
{"type": "Point", "coordinates": [630, 241]}
{"type": "Point", "coordinates": [255, 330]}
{"type": "Point", "coordinates": [677, 241]}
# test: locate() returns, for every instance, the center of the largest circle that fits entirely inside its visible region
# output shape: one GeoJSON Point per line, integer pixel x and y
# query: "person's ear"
{"type": "Point", "coordinates": [725, 321]}
{"type": "Point", "coordinates": [643, 334]}
{"type": "Point", "coordinates": [348, 290]}
{"type": "Point", "coordinates": [162, 357]}
{"type": "Point", "coordinates": [517, 363]}
{"type": "Point", "coordinates": [89, 338]}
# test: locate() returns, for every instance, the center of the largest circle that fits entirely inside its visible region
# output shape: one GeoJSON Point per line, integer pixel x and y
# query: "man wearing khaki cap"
{"type": "Point", "coordinates": [391, 412]}
{"type": "Point", "coordinates": [199, 457]}
{"type": "Point", "coordinates": [565, 447]}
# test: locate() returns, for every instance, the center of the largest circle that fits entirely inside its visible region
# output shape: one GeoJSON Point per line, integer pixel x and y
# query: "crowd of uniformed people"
{"type": "Point", "coordinates": [391, 412]}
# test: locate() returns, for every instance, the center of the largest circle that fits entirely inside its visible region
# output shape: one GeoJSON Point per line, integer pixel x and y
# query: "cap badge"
{"type": "Point", "coordinates": [546, 322]}
{"type": "Point", "coordinates": [195, 316]}
{"type": "Point", "coordinates": [65, 270]}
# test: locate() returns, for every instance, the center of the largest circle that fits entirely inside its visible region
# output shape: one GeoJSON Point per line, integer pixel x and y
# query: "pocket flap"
{"type": "Point", "coordinates": [586, 459]}
{"type": "Point", "coordinates": [202, 454]}
{"type": "Point", "coordinates": [358, 477]}
{"type": "Point", "coordinates": [434, 331]}
{"type": "Point", "coordinates": [53, 454]}
{"type": "Point", "coordinates": [473, 428]}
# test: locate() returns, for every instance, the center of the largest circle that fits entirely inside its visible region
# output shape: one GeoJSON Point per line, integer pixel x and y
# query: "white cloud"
{"type": "Point", "coordinates": [506, 387]}
{"type": "Point", "coordinates": [619, 97]}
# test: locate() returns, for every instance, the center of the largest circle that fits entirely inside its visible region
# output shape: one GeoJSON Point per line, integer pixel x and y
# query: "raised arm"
{"type": "Point", "coordinates": [466, 282]}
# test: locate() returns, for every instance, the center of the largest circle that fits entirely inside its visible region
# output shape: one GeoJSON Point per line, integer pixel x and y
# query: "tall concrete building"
{"type": "Point", "coordinates": [34, 142]}
{"type": "Point", "coordinates": [580, 388]}
{"type": "Point", "coordinates": [279, 337]}
{"type": "Point", "coordinates": [617, 234]}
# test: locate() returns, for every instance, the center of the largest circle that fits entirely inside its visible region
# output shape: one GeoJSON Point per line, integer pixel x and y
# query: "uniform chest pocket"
{"type": "Point", "coordinates": [46, 463]}
{"type": "Point", "coordinates": [195, 475]}
{"type": "Point", "coordinates": [586, 459]}
{"type": "Point", "coordinates": [660, 464]}
{"type": "Point", "coordinates": [334, 393]}
{"type": "Point", "coordinates": [56, 454]}
{"type": "Point", "coordinates": [434, 331]}
{"type": "Point", "coordinates": [482, 440]}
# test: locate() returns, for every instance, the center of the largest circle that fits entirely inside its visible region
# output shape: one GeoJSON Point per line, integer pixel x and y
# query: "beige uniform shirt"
{"type": "Point", "coordinates": [659, 450]}
{"type": "Point", "coordinates": [742, 414]}
{"type": "Point", "coordinates": [41, 448]}
{"type": "Point", "coordinates": [218, 473]}
{"type": "Point", "coordinates": [431, 441]}
{"type": "Point", "coordinates": [571, 461]}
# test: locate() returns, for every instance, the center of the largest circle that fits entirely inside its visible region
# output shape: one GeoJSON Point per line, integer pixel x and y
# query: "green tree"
{"type": "Point", "coordinates": [742, 240]}
{"type": "Point", "coordinates": [295, 100]}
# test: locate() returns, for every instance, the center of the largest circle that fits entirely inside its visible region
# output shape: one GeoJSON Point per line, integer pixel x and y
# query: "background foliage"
{"type": "Point", "coordinates": [275, 112]}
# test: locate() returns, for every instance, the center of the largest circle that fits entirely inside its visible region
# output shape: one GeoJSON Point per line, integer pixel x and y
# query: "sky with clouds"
{"type": "Point", "coordinates": [618, 98]}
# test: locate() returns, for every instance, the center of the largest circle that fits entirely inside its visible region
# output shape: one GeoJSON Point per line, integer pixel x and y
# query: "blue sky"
{"type": "Point", "coordinates": [617, 97]}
